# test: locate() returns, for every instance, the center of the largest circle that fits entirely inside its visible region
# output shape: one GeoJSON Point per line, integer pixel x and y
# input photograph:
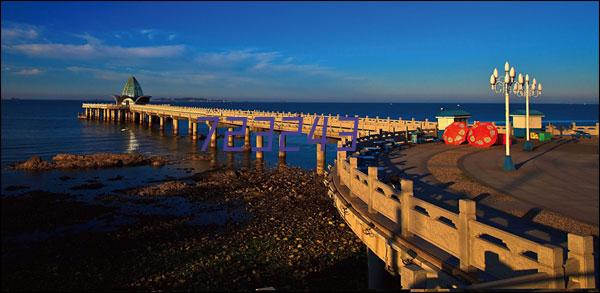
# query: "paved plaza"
{"type": "Point", "coordinates": [559, 176]}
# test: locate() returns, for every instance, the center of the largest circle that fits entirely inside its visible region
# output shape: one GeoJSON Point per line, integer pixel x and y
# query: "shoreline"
{"type": "Point", "coordinates": [234, 230]}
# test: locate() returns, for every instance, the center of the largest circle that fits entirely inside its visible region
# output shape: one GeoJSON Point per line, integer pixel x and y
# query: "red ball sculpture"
{"type": "Point", "coordinates": [455, 133]}
{"type": "Point", "coordinates": [482, 134]}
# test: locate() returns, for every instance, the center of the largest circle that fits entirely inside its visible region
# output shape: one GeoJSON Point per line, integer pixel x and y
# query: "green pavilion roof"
{"type": "Point", "coordinates": [453, 113]}
{"type": "Point", "coordinates": [521, 112]}
{"type": "Point", "coordinates": [132, 88]}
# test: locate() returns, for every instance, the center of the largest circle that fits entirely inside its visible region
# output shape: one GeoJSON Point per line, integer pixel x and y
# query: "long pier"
{"type": "Point", "coordinates": [163, 114]}
{"type": "Point", "coordinates": [425, 244]}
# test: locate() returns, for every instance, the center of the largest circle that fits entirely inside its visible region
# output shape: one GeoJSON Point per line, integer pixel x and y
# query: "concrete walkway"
{"type": "Point", "coordinates": [561, 176]}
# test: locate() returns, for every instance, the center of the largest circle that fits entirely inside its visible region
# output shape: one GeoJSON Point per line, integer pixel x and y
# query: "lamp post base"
{"type": "Point", "coordinates": [508, 164]}
{"type": "Point", "coordinates": [527, 146]}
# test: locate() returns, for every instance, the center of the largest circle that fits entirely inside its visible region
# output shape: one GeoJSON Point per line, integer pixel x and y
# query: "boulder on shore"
{"type": "Point", "coordinates": [99, 160]}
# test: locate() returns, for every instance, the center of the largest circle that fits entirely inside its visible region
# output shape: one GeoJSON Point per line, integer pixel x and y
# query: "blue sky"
{"type": "Point", "coordinates": [313, 51]}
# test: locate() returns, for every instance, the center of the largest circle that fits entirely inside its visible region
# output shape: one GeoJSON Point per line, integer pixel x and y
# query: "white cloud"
{"type": "Point", "coordinates": [149, 33]}
{"type": "Point", "coordinates": [260, 61]}
{"type": "Point", "coordinates": [93, 49]}
{"type": "Point", "coordinates": [263, 62]}
{"type": "Point", "coordinates": [15, 32]}
{"type": "Point", "coordinates": [31, 71]}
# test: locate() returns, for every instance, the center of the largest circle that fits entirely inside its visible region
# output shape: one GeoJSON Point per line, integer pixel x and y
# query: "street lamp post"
{"type": "Point", "coordinates": [524, 88]}
{"type": "Point", "coordinates": [505, 87]}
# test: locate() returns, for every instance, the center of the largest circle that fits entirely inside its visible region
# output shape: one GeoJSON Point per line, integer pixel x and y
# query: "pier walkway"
{"type": "Point", "coordinates": [561, 176]}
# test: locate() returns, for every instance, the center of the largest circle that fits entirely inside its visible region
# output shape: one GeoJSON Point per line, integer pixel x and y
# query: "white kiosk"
{"type": "Point", "coordinates": [447, 117]}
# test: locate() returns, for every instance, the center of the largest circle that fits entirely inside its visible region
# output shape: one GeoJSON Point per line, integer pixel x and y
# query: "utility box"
{"type": "Point", "coordinates": [545, 136]}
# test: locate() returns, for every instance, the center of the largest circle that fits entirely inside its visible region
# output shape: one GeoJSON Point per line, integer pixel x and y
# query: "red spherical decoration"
{"type": "Point", "coordinates": [455, 133]}
{"type": "Point", "coordinates": [482, 134]}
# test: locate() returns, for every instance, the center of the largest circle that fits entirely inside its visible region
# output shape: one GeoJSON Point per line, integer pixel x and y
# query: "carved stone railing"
{"type": "Point", "coordinates": [460, 234]}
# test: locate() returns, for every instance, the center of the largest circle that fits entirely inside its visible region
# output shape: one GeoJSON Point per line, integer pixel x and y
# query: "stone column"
{"type": "Point", "coordinates": [175, 126]}
{"type": "Point", "coordinates": [413, 276]}
{"type": "Point", "coordinates": [247, 146]}
{"type": "Point", "coordinates": [353, 162]}
{"type": "Point", "coordinates": [406, 194]}
{"type": "Point", "coordinates": [194, 130]}
{"type": "Point", "coordinates": [230, 138]}
{"type": "Point", "coordinates": [213, 138]}
{"type": "Point", "coordinates": [320, 159]}
{"type": "Point", "coordinates": [190, 127]}
{"type": "Point", "coordinates": [282, 143]}
{"type": "Point", "coordinates": [378, 277]}
{"type": "Point", "coordinates": [149, 120]}
{"type": "Point", "coordinates": [580, 261]}
{"type": "Point", "coordinates": [372, 172]}
{"type": "Point", "coordinates": [161, 122]}
{"type": "Point", "coordinates": [105, 115]}
{"type": "Point", "coordinates": [467, 212]}
{"type": "Point", "coordinates": [259, 144]}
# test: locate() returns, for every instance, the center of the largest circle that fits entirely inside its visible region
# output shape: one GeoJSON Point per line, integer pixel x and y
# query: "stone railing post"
{"type": "Point", "coordinates": [372, 172]}
{"type": "Point", "coordinates": [406, 194]}
{"type": "Point", "coordinates": [467, 211]}
{"type": "Point", "coordinates": [351, 174]}
{"type": "Point", "coordinates": [580, 261]}
{"type": "Point", "coordinates": [551, 258]}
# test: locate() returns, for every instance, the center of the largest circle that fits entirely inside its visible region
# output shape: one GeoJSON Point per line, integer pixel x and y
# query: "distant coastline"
{"type": "Point", "coordinates": [188, 99]}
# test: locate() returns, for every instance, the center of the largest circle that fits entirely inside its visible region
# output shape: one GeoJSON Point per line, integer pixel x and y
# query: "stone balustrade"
{"type": "Point", "coordinates": [475, 245]}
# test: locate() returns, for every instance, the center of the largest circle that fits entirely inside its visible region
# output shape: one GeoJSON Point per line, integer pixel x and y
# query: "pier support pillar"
{"type": "Point", "coordinates": [259, 144]}
{"type": "Point", "coordinates": [105, 115]}
{"type": "Point", "coordinates": [149, 120]}
{"type": "Point", "coordinates": [190, 126]}
{"type": "Point", "coordinates": [247, 146]}
{"type": "Point", "coordinates": [161, 121]}
{"type": "Point", "coordinates": [320, 160]}
{"type": "Point", "coordinates": [378, 278]}
{"type": "Point", "coordinates": [194, 129]}
{"type": "Point", "coordinates": [87, 113]}
{"type": "Point", "coordinates": [213, 138]}
{"type": "Point", "coordinates": [175, 126]}
{"type": "Point", "coordinates": [230, 138]}
{"type": "Point", "coordinates": [281, 143]}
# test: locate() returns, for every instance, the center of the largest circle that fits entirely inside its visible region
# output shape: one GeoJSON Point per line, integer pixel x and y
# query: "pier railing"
{"type": "Point", "coordinates": [459, 233]}
{"type": "Point", "coordinates": [366, 125]}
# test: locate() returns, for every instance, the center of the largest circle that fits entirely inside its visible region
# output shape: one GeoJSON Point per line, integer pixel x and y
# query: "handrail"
{"type": "Point", "coordinates": [459, 234]}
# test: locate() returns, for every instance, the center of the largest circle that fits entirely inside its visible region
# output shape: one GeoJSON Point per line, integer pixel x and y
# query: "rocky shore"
{"type": "Point", "coordinates": [278, 230]}
{"type": "Point", "coordinates": [99, 160]}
